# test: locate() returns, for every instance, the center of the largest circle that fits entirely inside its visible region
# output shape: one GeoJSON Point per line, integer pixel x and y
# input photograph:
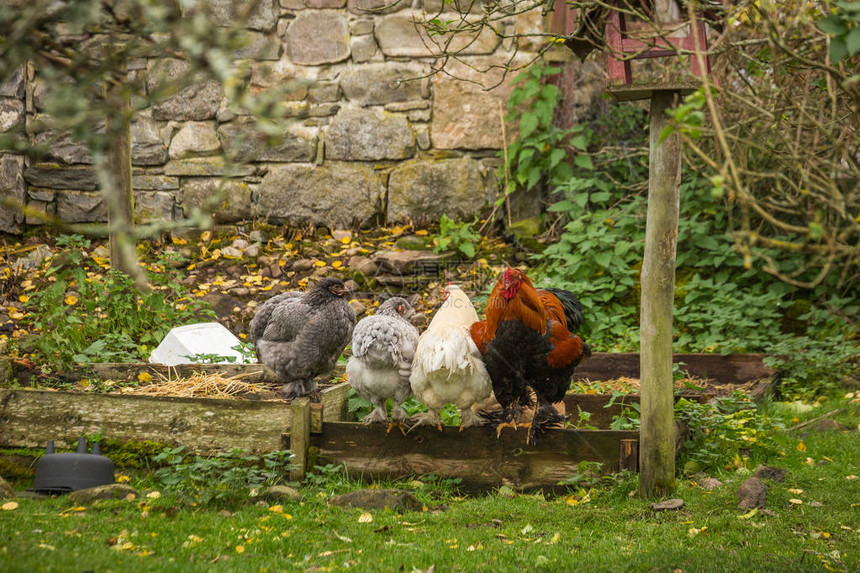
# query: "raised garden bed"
{"type": "Point", "coordinates": [322, 432]}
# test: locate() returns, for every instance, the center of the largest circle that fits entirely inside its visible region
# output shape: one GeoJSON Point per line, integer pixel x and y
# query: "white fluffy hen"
{"type": "Point", "coordinates": [447, 367]}
{"type": "Point", "coordinates": [382, 348]}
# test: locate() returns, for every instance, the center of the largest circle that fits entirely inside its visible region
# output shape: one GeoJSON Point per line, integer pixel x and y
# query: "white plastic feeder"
{"type": "Point", "coordinates": [183, 343]}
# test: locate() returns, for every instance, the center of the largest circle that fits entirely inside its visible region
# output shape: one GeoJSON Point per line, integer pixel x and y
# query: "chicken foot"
{"type": "Point", "coordinates": [298, 388]}
{"type": "Point", "coordinates": [431, 418]}
{"type": "Point", "coordinates": [468, 418]}
{"type": "Point", "coordinates": [399, 419]}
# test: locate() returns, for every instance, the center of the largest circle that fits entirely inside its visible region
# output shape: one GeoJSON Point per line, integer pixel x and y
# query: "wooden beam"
{"type": "Point", "coordinates": [29, 418]}
{"type": "Point", "coordinates": [728, 369]}
{"type": "Point", "coordinates": [475, 455]}
{"type": "Point", "coordinates": [629, 459]}
{"type": "Point", "coordinates": [657, 445]}
{"type": "Point", "coordinates": [300, 436]}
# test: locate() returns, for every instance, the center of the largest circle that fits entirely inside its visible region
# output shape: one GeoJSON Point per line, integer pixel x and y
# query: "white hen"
{"type": "Point", "coordinates": [382, 350]}
{"type": "Point", "coordinates": [447, 367]}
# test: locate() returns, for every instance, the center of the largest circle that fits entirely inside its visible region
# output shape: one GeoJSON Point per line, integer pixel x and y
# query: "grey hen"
{"type": "Point", "coordinates": [382, 349]}
{"type": "Point", "coordinates": [301, 335]}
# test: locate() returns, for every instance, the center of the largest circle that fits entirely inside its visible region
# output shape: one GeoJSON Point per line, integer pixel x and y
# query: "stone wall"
{"type": "Point", "coordinates": [364, 143]}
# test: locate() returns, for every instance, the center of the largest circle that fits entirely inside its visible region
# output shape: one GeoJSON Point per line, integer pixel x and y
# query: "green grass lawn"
{"type": "Point", "coordinates": [604, 528]}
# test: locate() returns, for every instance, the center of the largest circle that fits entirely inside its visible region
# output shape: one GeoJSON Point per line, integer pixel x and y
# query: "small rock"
{"type": "Point", "coordinates": [240, 291]}
{"type": "Point", "coordinates": [359, 308]}
{"type": "Point", "coordinates": [231, 253]}
{"type": "Point", "coordinates": [393, 499]}
{"type": "Point", "coordinates": [752, 494]}
{"type": "Point", "coordinates": [829, 426]}
{"type": "Point", "coordinates": [252, 250]}
{"type": "Point", "coordinates": [351, 285]}
{"type": "Point", "coordinates": [281, 493]}
{"type": "Point", "coordinates": [709, 483]}
{"type": "Point", "coordinates": [408, 261]}
{"type": "Point", "coordinates": [668, 505]}
{"type": "Point", "coordinates": [414, 242]}
{"type": "Point", "coordinates": [340, 235]}
{"type": "Point", "coordinates": [772, 473]}
{"type": "Point", "coordinates": [34, 258]}
{"type": "Point", "coordinates": [302, 265]}
{"type": "Point", "coordinates": [240, 244]}
{"type": "Point", "coordinates": [6, 491]}
{"type": "Point", "coordinates": [101, 252]}
{"type": "Point", "coordinates": [110, 491]}
{"type": "Point", "coordinates": [257, 236]}
{"type": "Point", "coordinates": [222, 304]}
{"type": "Point", "coordinates": [275, 270]}
{"type": "Point", "coordinates": [362, 265]}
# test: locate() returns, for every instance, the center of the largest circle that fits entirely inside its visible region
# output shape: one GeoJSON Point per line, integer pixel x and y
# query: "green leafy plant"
{"type": "Point", "coordinates": [456, 236]}
{"type": "Point", "coordinates": [229, 477]}
{"type": "Point", "coordinates": [808, 368]}
{"type": "Point", "coordinates": [82, 318]}
{"type": "Point", "coordinates": [719, 434]}
{"type": "Point", "coordinates": [542, 150]}
{"type": "Point", "coordinates": [843, 27]}
{"type": "Point", "coordinates": [209, 358]}
{"type": "Point", "coordinates": [630, 417]}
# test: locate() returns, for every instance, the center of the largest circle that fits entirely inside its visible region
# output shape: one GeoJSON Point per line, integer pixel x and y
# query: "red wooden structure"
{"type": "Point", "coordinates": [623, 49]}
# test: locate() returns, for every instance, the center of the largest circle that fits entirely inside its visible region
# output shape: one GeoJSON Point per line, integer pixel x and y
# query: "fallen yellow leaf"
{"type": "Point", "coordinates": [23, 298]}
{"type": "Point", "coordinates": [795, 491]}
{"type": "Point", "coordinates": [10, 505]}
{"type": "Point", "coordinates": [801, 447]}
{"type": "Point", "coordinates": [365, 518]}
{"type": "Point", "coordinates": [206, 235]}
{"type": "Point", "coordinates": [144, 377]}
{"type": "Point", "coordinates": [240, 549]}
{"type": "Point", "coordinates": [71, 300]}
{"type": "Point", "coordinates": [795, 501]}
{"type": "Point", "coordinates": [277, 509]}
{"type": "Point", "coordinates": [178, 241]}
{"type": "Point", "coordinates": [319, 263]}
{"type": "Point", "coordinates": [421, 232]}
{"type": "Point", "coordinates": [122, 479]}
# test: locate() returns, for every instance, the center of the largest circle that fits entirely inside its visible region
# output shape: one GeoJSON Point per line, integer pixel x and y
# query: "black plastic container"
{"type": "Point", "coordinates": [62, 473]}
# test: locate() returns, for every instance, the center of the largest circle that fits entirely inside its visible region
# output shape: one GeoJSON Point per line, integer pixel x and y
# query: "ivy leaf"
{"type": "Point", "coordinates": [852, 41]}
{"type": "Point", "coordinates": [555, 156]}
{"type": "Point", "coordinates": [528, 123]}
{"type": "Point", "coordinates": [583, 161]}
{"type": "Point", "coordinates": [832, 25]}
{"type": "Point", "coordinates": [603, 259]}
{"type": "Point", "coordinates": [579, 141]}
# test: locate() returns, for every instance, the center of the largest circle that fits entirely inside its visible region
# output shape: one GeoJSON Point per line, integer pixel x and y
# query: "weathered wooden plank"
{"type": "Point", "coordinates": [729, 369]}
{"type": "Point", "coordinates": [475, 455]}
{"type": "Point", "coordinates": [335, 402]}
{"type": "Point", "coordinates": [29, 418]}
{"type": "Point", "coordinates": [300, 435]}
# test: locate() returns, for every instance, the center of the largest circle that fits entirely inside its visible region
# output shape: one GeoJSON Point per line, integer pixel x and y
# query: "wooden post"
{"type": "Point", "coordinates": [657, 445]}
{"type": "Point", "coordinates": [300, 436]}
{"type": "Point", "coordinates": [629, 459]}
